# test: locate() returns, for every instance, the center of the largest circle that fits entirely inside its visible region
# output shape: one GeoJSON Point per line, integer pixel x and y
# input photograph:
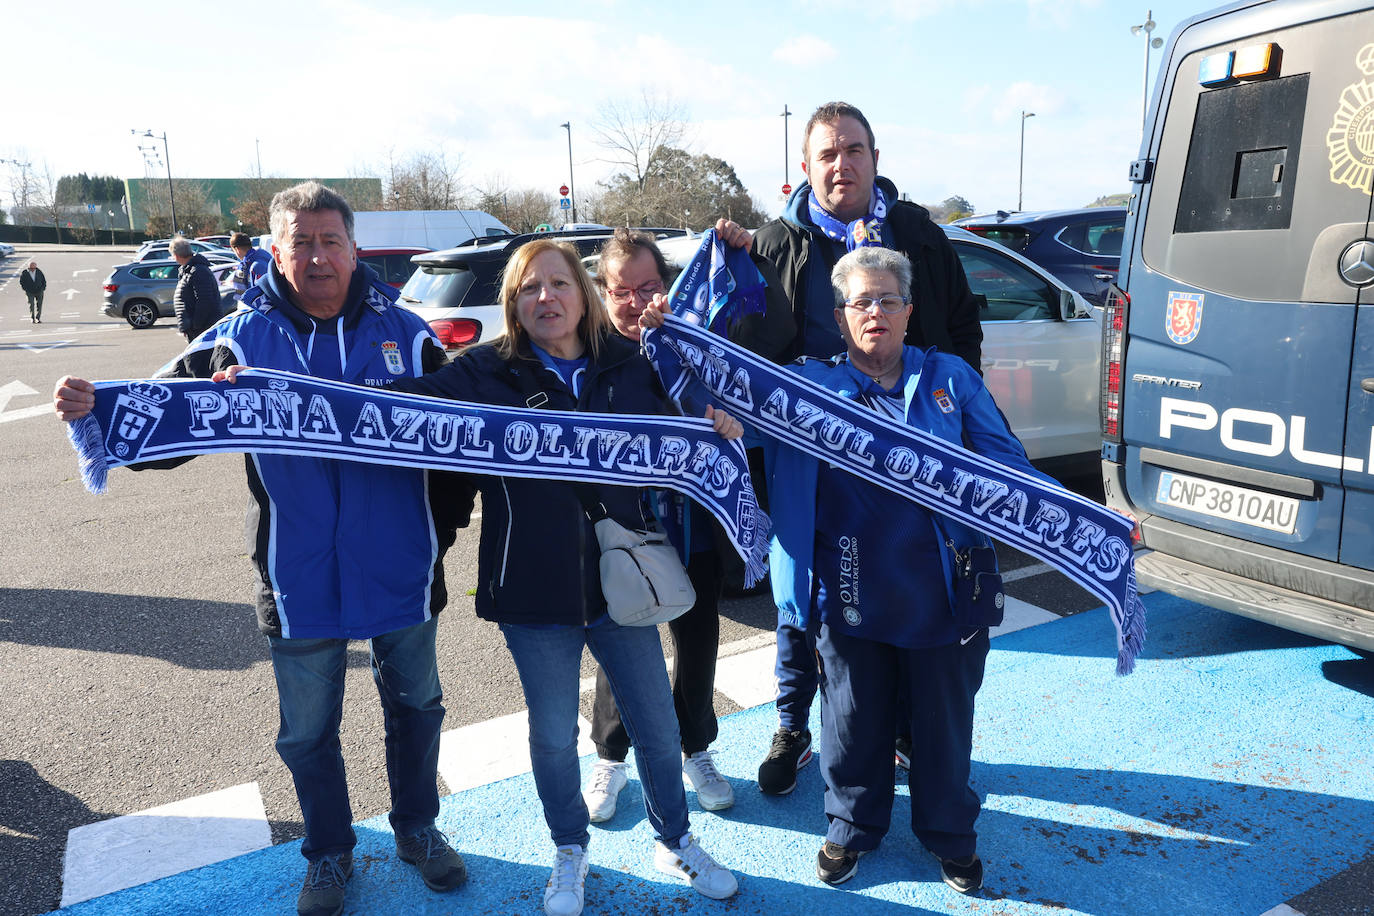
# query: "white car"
{"type": "Point", "coordinates": [6, 250]}
{"type": "Point", "coordinates": [1041, 349]}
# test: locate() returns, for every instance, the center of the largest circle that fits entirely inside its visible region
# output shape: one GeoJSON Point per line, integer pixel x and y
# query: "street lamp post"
{"type": "Point", "coordinates": [109, 221]}
{"type": "Point", "coordinates": [167, 158]}
{"type": "Point", "coordinates": [1021, 171]}
{"type": "Point", "coordinates": [1146, 27]}
{"type": "Point", "coordinates": [786, 176]}
{"type": "Point", "coordinates": [572, 186]}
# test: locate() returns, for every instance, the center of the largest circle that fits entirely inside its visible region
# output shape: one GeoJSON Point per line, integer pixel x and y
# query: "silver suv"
{"type": "Point", "coordinates": [141, 292]}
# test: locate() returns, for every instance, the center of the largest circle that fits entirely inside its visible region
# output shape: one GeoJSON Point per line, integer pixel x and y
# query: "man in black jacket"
{"type": "Point", "coordinates": [33, 283]}
{"type": "Point", "coordinates": [841, 206]}
{"type": "Point", "coordinates": [196, 298]}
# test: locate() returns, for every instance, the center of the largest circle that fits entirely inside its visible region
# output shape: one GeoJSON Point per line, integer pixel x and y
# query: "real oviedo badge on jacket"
{"type": "Point", "coordinates": [391, 352]}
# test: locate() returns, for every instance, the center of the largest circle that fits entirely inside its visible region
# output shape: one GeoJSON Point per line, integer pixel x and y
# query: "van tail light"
{"type": "Point", "coordinates": [1114, 318]}
{"type": "Point", "coordinates": [455, 333]}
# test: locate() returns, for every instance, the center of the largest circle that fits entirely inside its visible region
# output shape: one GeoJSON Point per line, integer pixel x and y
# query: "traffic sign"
{"type": "Point", "coordinates": [786, 190]}
{"type": "Point", "coordinates": [563, 191]}
{"type": "Point", "coordinates": [564, 204]}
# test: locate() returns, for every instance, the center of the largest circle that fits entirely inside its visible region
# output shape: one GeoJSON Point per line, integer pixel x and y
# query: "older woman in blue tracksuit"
{"type": "Point", "coordinates": [873, 576]}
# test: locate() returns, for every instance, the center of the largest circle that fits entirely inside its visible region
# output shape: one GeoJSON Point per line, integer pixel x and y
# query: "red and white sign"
{"type": "Point", "coordinates": [786, 190]}
{"type": "Point", "coordinates": [563, 191]}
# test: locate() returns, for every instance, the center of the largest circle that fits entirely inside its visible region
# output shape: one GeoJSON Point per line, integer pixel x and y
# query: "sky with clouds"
{"type": "Point", "coordinates": [332, 87]}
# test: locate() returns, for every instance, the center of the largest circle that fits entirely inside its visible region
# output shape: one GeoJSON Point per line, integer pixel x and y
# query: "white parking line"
{"type": "Point", "coordinates": [484, 752]}
{"type": "Point", "coordinates": [121, 852]}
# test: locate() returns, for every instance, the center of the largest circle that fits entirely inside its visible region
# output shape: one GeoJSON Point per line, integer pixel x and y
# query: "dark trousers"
{"type": "Point", "coordinates": [858, 682]}
{"type": "Point", "coordinates": [35, 304]}
{"type": "Point", "coordinates": [795, 669]}
{"type": "Point", "coordinates": [696, 639]}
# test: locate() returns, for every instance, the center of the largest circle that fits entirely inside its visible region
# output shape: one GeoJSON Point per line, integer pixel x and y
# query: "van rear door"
{"type": "Point", "coordinates": [1243, 411]}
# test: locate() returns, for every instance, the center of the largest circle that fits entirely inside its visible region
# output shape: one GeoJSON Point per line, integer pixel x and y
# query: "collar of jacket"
{"type": "Point", "coordinates": [795, 213]}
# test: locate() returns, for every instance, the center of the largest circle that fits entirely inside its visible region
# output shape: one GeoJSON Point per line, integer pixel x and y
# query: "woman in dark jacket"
{"type": "Point", "coordinates": [538, 562]}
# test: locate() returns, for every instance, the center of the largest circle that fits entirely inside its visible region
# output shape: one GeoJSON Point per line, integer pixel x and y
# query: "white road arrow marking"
{"type": "Point", "coordinates": [69, 293]}
{"type": "Point", "coordinates": [85, 270]}
{"type": "Point", "coordinates": [14, 389]}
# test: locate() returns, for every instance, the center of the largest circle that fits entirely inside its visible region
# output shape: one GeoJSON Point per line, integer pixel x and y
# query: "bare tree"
{"type": "Point", "coordinates": [522, 209]}
{"type": "Point", "coordinates": [254, 201]}
{"type": "Point", "coordinates": [636, 135]}
{"type": "Point", "coordinates": [422, 181]}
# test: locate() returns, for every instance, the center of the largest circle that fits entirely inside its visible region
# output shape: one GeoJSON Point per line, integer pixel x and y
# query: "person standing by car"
{"type": "Point", "coordinates": [843, 205]}
{"type": "Point", "coordinates": [253, 263]}
{"type": "Point", "coordinates": [33, 283]}
{"type": "Point", "coordinates": [632, 271]}
{"type": "Point", "coordinates": [343, 550]}
{"type": "Point", "coordinates": [196, 297]}
{"type": "Point", "coordinates": [538, 562]}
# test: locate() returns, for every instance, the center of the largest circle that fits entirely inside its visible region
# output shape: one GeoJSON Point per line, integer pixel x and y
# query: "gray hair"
{"type": "Point", "coordinates": [307, 197]}
{"type": "Point", "coordinates": [179, 247]}
{"type": "Point", "coordinates": [872, 258]}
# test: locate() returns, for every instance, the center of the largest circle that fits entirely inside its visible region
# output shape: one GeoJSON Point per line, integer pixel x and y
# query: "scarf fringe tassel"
{"type": "Point", "coordinates": [88, 440]}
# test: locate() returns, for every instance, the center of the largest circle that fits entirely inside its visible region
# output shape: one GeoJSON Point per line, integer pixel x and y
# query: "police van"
{"type": "Point", "coordinates": [1237, 399]}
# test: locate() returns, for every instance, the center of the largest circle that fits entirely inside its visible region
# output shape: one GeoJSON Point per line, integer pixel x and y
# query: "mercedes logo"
{"type": "Point", "coordinates": [1357, 263]}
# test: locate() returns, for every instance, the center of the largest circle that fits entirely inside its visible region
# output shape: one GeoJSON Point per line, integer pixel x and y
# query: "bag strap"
{"type": "Point", "coordinates": [536, 397]}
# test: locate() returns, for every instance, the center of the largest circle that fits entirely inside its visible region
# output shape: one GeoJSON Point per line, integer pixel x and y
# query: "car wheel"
{"type": "Point", "coordinates": [140, 314]}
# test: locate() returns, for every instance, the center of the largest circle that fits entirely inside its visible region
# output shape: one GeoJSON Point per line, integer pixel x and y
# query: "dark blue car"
{"type": "Point", "coordinates": [1080, 247]}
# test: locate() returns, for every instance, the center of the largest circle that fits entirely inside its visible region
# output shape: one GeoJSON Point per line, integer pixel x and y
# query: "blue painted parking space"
{"type": "Point", "coordinates": [1231, 772]}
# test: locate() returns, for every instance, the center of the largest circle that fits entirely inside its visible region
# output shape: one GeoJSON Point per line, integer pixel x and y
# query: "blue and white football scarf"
{"type": "Point", "coordinates": [284, 413]}
{"type": "Point", "coordinates": [715, 277]}
{"type": "Point", "coordinates": [866, 231]}
{"type": "Point", "coordinates": [1087, 542]}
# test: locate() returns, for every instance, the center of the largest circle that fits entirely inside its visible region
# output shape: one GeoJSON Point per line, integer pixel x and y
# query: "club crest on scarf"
{"type": "Point", "coordinates": [866, 231]}
{"type": "Point", "coordinates": [136, 414]}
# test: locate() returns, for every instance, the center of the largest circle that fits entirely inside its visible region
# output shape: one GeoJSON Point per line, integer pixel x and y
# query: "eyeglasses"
{"type": "Point", "coordinates": [645, 292]}
{"type": "Point", "coordinates": [890, 305]}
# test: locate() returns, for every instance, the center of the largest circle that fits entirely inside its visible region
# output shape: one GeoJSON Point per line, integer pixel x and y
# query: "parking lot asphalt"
{"type": "Point", "coordinates": [1231, 773]}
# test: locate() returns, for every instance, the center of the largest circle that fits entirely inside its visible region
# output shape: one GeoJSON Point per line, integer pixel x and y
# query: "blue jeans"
{"type": "Point", "coordinates": [310, 690]}
{"type": "Point", "coordinates": [549, 662]}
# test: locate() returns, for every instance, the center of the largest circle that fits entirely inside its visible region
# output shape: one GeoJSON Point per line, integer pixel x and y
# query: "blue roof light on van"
{"type": "Point", "coordinates": [1254, 60]}
{"type": "Point", "coordinates": [1215, 68]}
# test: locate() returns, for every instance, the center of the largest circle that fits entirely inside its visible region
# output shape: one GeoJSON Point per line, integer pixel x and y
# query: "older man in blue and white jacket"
{"type": "Point", "coordinates": [343, 550]}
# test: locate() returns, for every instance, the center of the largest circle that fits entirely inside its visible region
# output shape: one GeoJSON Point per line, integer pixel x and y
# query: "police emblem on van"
{"type": "Point", "coordinates": [1350, 141]}
{"type": "Point", "coordinates": [391, 352]}
{"type": "Point", "coordinates": [1183, 317]}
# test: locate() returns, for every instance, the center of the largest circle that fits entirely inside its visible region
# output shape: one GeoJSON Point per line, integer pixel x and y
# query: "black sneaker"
{"type": "Point", "coordinates": [789, 752]}
{"type": "Point", "coordinates": [322, 894]}
{"type": "Point", "coordinates": [902, 752]}
{"type": "Point", "coordinates": [964, 875]}
{"type": "Point", "coordinates": [835, 864]}
{"type": "Point", "coordinates": [441, 868]}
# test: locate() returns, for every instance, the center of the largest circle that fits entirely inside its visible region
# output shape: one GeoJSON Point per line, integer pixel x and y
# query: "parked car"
{"type": "Point", "coordinates": [1080, 247]}
{"type": "Point", "coordinates": [220, 240]}
{"type": "Point", "coordinates": [455, 289]}
{"type": "Point", "coordinates": [141, 292]}
{"type": "Point", "coordinates": [6, 250]}
{"type": "Point", "coordinates": [159, 252]}
{"type": "Point", "coordinates": [393, 265]}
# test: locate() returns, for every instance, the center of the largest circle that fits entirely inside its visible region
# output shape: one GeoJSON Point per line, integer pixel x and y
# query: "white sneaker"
{"type": "Point", "coordinates": [713, 791]}
{"type": "Point", "coordinates": [563, 893]}
{"type": "Point", "coordinates": [603, 786]}
{"type": "Point", "coordinates": [692, 864]}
